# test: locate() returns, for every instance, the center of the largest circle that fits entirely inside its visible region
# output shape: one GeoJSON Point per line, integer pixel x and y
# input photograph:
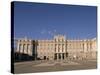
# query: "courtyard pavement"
{"type": "Point", "coordinates": [49, 66]}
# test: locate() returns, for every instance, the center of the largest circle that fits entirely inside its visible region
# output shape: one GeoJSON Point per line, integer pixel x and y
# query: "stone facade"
{"type": "Point", "coordinates": [58, 48]}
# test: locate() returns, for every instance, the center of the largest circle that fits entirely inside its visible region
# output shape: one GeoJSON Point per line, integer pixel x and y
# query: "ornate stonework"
{"type": "Point", "coordinates": [58, 48]}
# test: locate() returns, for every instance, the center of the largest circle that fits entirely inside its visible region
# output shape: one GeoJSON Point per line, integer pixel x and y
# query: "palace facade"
{"type": "Point", "coordinates": [59, 48]}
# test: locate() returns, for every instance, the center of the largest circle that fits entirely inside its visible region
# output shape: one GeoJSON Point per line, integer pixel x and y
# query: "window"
{"type": "Point", "coordinates": [55, 45]}
{"type": "Point", "coordinates": [62, 44]}
{"type": "Point", "coordinates": [59, 44]}
{"type": "Point", "coordinates": [58, 40]}
{"type": "Point", "coordinates": [90, 45]}
{"type": "Point", "coordinates": [51, 44]}
{"type": "Point", "coordinates": [83, 46]}
{"type": "Point", "coordinates": [62, 40]}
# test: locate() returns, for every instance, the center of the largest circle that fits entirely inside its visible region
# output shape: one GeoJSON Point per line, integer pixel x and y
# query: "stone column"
{"type": "Point", "coordinates": [85, 46]}
{"type": "Point", "coordinates": [61, 56]}
{"type": "Point", "coordinates": [57, 56]}
{"type": "Point", "coordinates": [18, 47]}
{"type": "Point", "coordinates": [64, 56]}
{"type": "Point", "coordinates": [21, 50]}
{"type": "Point", "coordinates": [25, 48]}
{"type": "Point", "coordinates": [29, 49]}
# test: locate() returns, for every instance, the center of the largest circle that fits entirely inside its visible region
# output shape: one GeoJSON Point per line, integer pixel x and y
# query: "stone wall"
{"type": "Point", "coordinates": [58, 48]}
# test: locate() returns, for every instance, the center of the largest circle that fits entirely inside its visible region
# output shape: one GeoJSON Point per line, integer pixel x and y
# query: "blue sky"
{"type": "Point", "coordinates": [42, 21]}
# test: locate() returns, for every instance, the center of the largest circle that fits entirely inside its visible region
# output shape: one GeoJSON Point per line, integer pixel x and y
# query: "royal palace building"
{"type": "Point", "coordinates": [59, 48]}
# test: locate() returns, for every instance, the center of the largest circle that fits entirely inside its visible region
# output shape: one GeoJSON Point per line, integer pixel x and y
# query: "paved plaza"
{"type": "Point", "coordinates": [48, 66]}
